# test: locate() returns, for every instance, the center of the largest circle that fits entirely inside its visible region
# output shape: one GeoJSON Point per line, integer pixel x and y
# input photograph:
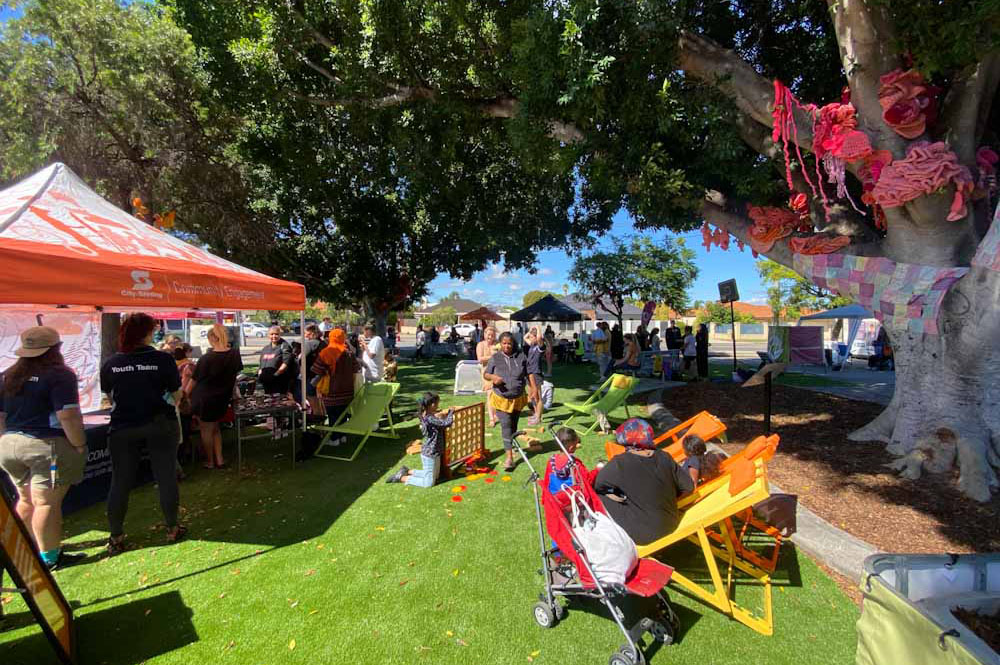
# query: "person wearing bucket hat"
{"type": "Point", "coordinates": [43, 447]}
{"type": "Point", "coordinates": [639, 488]}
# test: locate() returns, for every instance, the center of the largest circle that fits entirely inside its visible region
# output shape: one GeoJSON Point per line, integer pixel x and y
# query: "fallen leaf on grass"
{"type": "Point", "coordinates": [148, 612]}
{"type": "Point", "coordinates": [310, 572]}
{"type": "Point", "coordinates": [320, 546]}
{"type": "Point", "coordinates": [380, 528]}
{"type": "Point", "coordinates": [403, 583]}
{"type": "Point", "coordinates": [456, 498]}
{"type": "Point", "coordinates": [449, 633]}
{"type": "Point", "coordinates": [293, 604]}
{"type": "Point", "coordinates": [506, 479]}
{"type": "Point", "coordinates": [291, 645]}
{"type": "Point", "coordinates": [462, 643]}
{"type": "Point", "coordinates": [229, 646]}
{"type": "Point", "coordinates": [460, 488]}
{"type": "Point", "coordinates": [534, 655]}
{"type": "Point", "coordinates": [236, 571]}
{"type": "Point", "coordinates": [489, 480]}
{"type": "Point", "coordinates": [222, 595]}
{"type": "Point", "coordinates": [312, 612]}
{"type": "Point", "coordinates": [455, 572]}
{"type": "Point", "coordinates": [142, 580]}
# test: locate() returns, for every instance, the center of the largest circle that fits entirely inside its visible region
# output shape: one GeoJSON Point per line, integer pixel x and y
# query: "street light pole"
{"type": "Point", "coordinates": [732, 330]}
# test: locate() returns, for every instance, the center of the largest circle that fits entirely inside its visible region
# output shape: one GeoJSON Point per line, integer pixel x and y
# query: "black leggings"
{"type": "Point", "coordinates": [508, 426]}
{"type": "Point", "coordinates": [159, 436]}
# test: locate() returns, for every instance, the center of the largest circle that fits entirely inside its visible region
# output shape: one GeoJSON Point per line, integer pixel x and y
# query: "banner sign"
{"type": "Point", "coordinates": [20, 557]}
{"type": "Point", "coordinates": [80, 333]}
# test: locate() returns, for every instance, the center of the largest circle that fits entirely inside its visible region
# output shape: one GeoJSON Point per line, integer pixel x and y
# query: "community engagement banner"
{"type": "Point", "coordinates": [81, 344]}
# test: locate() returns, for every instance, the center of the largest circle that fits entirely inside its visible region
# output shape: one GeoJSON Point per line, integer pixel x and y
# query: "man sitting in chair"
{"type": "Point", "coordinates": [639, 488]}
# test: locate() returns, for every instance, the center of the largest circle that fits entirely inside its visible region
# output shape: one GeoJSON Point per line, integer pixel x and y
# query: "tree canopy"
{"type": "Point", "coordinates": [789, 293]}
{"type": "Point", "coordinates": [531, 297]}
{"type": "Point", "coordinates": [636, 269]}
{"type": "Point", "coordinates": [717, 312]}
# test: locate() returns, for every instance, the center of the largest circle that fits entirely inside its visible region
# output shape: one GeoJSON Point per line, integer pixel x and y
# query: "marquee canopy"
{"type": "Point", "coordinates": [62, 244]}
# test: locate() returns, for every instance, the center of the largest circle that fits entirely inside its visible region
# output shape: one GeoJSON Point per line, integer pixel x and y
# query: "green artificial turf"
{"type": "Point", "coordinates": [328, 564]}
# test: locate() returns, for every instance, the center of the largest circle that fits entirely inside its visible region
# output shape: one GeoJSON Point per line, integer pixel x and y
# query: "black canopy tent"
{"type": "Point", "coordinates": [547, 309]}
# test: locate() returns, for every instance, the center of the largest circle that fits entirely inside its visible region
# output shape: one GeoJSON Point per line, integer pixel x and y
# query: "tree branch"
{"type": "Point", "coordinates": [723, 69]}
{"type": "Point", "coordinates": [326, 73]}
{"type": "Point", "coordinates": [719, 211]}
{"type": "Point", "coordinates": [967, 107]}
{"type": "Point", "coordinates": [843, 220]}
{"type": "Point", "coordinates": [866, 39]}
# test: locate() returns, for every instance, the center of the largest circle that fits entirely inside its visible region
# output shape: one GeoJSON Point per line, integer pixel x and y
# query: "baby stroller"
{"type": "Point", "coordinates": [567, 571]}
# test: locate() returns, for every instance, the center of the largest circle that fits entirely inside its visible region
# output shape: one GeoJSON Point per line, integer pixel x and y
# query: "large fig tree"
{"type": "Point", "coordinates": [669, 109]}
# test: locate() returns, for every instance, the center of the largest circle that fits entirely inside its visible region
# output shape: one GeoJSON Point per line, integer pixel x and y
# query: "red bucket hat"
{"type": "Point", "coordinates": [635, 433]}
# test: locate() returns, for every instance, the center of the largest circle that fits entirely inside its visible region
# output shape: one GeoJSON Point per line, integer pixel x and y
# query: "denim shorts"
{"type": "Point", "coordinates": [27, 459]}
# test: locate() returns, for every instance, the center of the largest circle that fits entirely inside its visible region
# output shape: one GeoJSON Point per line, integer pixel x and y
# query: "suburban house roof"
{"type": "Point", "coordinates": [460, 305]}
{"type": "Point", "coordinates": [761, 312]}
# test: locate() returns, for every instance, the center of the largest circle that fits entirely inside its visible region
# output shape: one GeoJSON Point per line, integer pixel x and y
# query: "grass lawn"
{"type": "Point", "coordinates": [328, 564]}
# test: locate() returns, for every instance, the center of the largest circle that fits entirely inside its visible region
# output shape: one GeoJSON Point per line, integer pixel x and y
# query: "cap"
{"type": "Point", "coordinates": [635, 433]}
{"type": "Point", "coordinates": [36, 341]}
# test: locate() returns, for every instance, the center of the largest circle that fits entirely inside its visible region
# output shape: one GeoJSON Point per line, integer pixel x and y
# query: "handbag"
{"type": "Point", "coordinates": [610, 551]}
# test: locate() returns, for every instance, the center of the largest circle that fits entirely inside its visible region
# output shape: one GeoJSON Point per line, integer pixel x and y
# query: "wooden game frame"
{"type": "Point", "coordinates": [20, 557]}
{"type": "Point", "coordinates": [466, 438]}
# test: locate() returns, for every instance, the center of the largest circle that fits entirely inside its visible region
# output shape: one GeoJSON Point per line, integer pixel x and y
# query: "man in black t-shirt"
{"type": "Point", "coordinates": [673, 337]}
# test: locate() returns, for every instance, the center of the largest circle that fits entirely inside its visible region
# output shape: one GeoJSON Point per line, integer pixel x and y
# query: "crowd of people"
{"type": "Point", "coordinates": [158, 394]}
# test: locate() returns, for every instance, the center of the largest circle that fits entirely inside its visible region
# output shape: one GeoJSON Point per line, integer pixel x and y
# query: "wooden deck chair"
{"type": "Point", "coordinates": [708, 508]}
{"type": "Point", "coordinates": [704, 424]}
{"type": "Point", "coordinates": [362, 418]}
{"type": "Point", "coordinates": [612, 394]}
{"type": "Point", "coordinates": [747, 529]}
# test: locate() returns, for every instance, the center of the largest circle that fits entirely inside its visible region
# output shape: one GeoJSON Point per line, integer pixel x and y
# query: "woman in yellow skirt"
{"type": "Point", "coordinates": [507, 371]}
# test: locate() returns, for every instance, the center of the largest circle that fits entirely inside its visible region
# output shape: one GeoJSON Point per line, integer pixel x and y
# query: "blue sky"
{"type": "Point", "coordinates": [496, 287]}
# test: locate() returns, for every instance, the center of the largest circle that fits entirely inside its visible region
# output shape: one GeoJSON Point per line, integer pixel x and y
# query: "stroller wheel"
{"type": "Point", "coordinates": [544, 616]}
{"type": "Point", "coordinates": [625, 656]}
{"type": "Point", "coordinates": [662, 633]}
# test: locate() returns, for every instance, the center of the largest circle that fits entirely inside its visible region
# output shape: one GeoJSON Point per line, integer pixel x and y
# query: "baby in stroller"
{"type": "Point", "coordinates": [566, 567]}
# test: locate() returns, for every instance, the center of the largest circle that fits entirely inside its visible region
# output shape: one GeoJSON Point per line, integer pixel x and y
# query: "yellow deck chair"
{"type": "Point", "coordinates": [744, 528]}
{"type": "Point", "coordinates": [708, 508]}
{"type": "Point", "coordinates": [362, 417]}
{"type": "Point", "coordinates": [704, 424]}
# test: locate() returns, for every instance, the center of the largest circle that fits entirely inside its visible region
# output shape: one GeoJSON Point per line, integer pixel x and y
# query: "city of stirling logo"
{"type": "Point", "coordinates": [142, 287]}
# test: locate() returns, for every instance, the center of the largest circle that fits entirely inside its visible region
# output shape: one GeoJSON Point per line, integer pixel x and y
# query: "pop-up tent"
{"type": "Point", "coordinates": [853, 313]}
{"type": "Point", "coordinates": [62, 244]}
{"type": "Point", "coordinates": [65, 252]}
{"type": "Point", "coordinates": [547, 309]}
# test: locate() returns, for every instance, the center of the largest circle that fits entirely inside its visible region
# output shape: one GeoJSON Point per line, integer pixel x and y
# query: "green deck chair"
{"type": "Point", "coordinates": [362, 418]}
{"type": "Point", "coordinates": [606, 399]}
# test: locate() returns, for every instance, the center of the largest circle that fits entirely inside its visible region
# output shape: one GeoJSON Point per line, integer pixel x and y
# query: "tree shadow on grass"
{"type": "Point", "coordinates": [117, 635]}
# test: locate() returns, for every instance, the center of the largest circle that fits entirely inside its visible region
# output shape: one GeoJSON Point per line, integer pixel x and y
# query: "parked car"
{"type": "Point", "coordinates": [463, 329]}
{"type": "Point", "coordinates": [254, 329]}
{"type": "Point", "coordinates": [294, 327]}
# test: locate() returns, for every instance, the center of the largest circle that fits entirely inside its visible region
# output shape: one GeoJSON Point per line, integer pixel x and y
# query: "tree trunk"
{"type": "Point", "coordinates": [945, 412]}
{"type": "Point", "coordinates": [378, 316]}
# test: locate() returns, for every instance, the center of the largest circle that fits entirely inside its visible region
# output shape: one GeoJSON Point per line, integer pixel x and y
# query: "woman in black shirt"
{"type": "Point", "coordinates": [639, 488]}
{"type": "Point", "coordinates": [507, 370]}
{"type": "Point", "coordinates": [276, 364]}
{"type": "Point", "coordinates": [212, 392]}
{"type": "Point", "coordinates": [144, 385]}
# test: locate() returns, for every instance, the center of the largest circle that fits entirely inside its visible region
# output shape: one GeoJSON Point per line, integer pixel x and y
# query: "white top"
{"type": "Point", "coordinates": [325, 326]}
{"type": "Point", "coordinates": [690, 346]}
{"type": "Point", "coordinates": [421, 338]}
{"type": "Point", "coordinates": [374, 359]}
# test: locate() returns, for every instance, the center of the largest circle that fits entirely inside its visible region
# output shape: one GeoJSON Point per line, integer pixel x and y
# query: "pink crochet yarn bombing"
{"type": "Point", "coordinates": [908, 103]}
{"type": "Point", "coordinates": [770, 225]}
{"type": "Point", "coordinates": [926, 168]}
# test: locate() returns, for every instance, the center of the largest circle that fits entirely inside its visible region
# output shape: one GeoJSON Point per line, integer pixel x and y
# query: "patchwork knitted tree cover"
{"type": "Point", "coordinates": [902, 295]}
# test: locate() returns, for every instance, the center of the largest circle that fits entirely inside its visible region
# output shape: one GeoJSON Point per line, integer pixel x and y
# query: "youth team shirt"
{"type": "Point", "coordinates": [33, 410]}
{"type": "Point", "coordinates": [139, 384]}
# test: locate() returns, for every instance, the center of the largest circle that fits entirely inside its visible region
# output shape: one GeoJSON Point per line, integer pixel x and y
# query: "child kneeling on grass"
{"type": "Point", "coordinates": [432, 426]}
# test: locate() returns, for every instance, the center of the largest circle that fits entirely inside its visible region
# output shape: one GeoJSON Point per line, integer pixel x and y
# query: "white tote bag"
{"type": "Point", "coordinates": [610, 551]}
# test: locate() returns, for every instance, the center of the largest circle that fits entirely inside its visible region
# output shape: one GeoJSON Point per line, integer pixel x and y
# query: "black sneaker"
{"type": "Point", "coordinates": [67, 559]}
{"type": "Point", "coordinates": [398, 476]}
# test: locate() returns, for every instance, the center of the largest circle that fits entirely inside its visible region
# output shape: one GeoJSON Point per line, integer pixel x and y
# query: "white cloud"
{"type": "Point", "coordinates": [497, 272]}
{"type": "Point", "coordinates": [757, 298]}
{"type": "Point", "coordinates": [515, 287]}
{"type": "Point", "coordinates": [545, 271]}
{"type": "Point", "coordinates": [547, 285]}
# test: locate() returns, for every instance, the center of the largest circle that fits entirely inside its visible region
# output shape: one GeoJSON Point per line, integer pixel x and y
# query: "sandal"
{"type": "Point", "coordinates": [207, 466]}
{"type": "Point", "coordinates": [116, 546]}
{"type": "Point", "coordinates": [176, 534]}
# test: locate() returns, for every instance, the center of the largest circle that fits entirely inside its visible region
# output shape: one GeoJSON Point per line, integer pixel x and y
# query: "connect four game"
{"type": "Point", "coordinates": [465, 440]}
